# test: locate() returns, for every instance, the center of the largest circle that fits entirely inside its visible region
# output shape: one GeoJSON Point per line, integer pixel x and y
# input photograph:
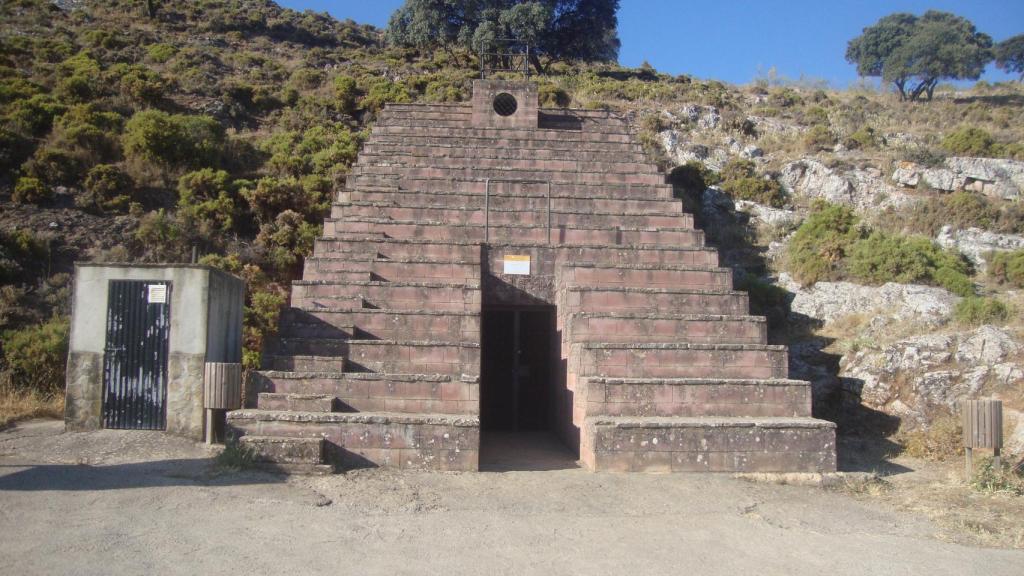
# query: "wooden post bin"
{"type": "Point", "coordinates": [983, 428]}
{"type": "Point", "coordinates": [222, 391]}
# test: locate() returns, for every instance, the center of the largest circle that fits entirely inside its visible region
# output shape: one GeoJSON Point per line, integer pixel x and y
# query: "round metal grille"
{"type": "Point", "coordinates": [505, 104]}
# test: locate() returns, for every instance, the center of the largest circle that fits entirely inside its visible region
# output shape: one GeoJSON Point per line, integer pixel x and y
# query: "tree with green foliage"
{"type": "Point", "coordinates": [915, 53]}
{"type": "Point", "coordinates": [175, 140]}
{"type": "Point", "coordinates": [1010, 55]}
{"type": "Point", "coordinates": [556, 30]}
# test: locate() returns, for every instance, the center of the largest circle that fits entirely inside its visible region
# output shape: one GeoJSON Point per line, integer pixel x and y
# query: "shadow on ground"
{"type": "Point", "coordinates": [160, 473]}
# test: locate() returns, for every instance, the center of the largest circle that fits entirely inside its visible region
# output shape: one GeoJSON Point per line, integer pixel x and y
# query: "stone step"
{"type": "Point", "coordinates": [377, 392]}
{"type": "Point", "coordinates": [294, 363]}
{"type": "Point", "coordinates": [678, 360]}
{"type": "Point", "coordinates": [578, 235]}
{"type": "Point", "coordinates": [384, 270]}
{"type": "Point", "coordinates": [501, 141]}
{"type": "Point", "coordinates": [413, 250]}
{"type": "Point", "coordinates": [554, 176]}
{"type": "Point", "coordinates": [477, 184]}
{"type": "Point", "coordinates": [361, 439]}
{"type": "Point", "coordinates": [499, 201]}
{"type": "Point", "coordinates": [406, 249]}
{"type": "Point", "coordinates": [411, 127]}
{"type": "Point", "coordinates": [381, 324]}
{"type": "Point", "coordinates": [606, 166]}
{"type": "Point", "coordinates": [473, 150]}
{"type": "Point", "coordinates": [284, 449]}
{"type": "Point", "coordinates": [505, 217]}
{"type": "Point", "coordinates": [454, 358]}
{"type": "Point", "coordinates": [310, 294]}
{"type": "Point", "coordinates": [584, 298]}
{"type": "Point", "coordinates": [696, 397]}
{"type": "Point", "coordinates": [664, 327]}
{"type": "Point", "coordinates": [296, 402]}
{"type": "Point", "coordinates": [713, 444]}
{"type": "Point", "coordinates": [645, 276]}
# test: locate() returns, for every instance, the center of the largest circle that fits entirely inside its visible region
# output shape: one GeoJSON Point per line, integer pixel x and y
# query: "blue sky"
{"type": "Point", "coordinates": [736, 40]}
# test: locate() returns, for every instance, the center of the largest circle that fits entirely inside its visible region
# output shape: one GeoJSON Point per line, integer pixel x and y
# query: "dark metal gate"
{"type": "Point", "coordinates": [135, 355]}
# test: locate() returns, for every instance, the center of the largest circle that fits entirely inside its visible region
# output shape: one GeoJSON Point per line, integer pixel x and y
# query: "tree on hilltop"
{"type": "Point", "coordinates": [556, 30]}
{"type": "Point", "coordinates": [914, 53]}
{"type": "Point", "coordinates": [1010, 55]}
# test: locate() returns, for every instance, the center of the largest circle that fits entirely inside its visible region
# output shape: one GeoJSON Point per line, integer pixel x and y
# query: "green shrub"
{"type": "Point", "coordinates": [14, 149]}
{"type": "Point", "coordinates": [969, 141]}
{"type": "Point", "coordinates": [883, 257]}
{"type": "Point", "coordinates": [36, 356]}
{"type": "Point", "coordinates": [345, 93]}
{"type": "Point", "coordinates": [174, 140]}
{"type": "Point", "coordinates": [1007, 267]}
{"type": "Point", "coordinates": [160, 238]}
{"type": "Point", "coordinates": [161, 53]}
{"type": "Point", "coordinates": [33, 116]}
{"type": "Point", "coordinates": [89, 132]}
{"type": "Point", "coordinates": [379, 91]}
{"type": "Point", "coordinates": [206, 201]}
{"type": "Point", "coordinates": [1002, 479]}
{"type": "Point", "coordinates": [106, 189]}
{"type": "Point", "coordinates": [739, 179]}
{"type": "Point", "coordinates": [327, 150]}
{"type": "Point", "coordinates": [287, 239]}
{"type": "Point", "coordinates": [975, 311]}
{"type": "Point", "coordinates": [960, 210]}
{"type": "Point", "coordinates": [78, 79]}
{"type": "Point", "coordinates": [272, 196]}
{"type": "Point", "coordinates": [818, 138]}
{"type": "Point", "coordinates": [552, 96]}
{"type": "Point", "coordinates": [55, 166]}
{"type": "Point", "coordinates": [820, 244]}
{"type": "Point", "coordinates": [138, 84]}
{"type": "Point", "coordinates": [31, 191]}
{"type": "Point", "coordinates": [863, 139]}
{"type": "Point", "coordinates": [21, 253]}
{"type": "Point", "coordinates": [260, 320]}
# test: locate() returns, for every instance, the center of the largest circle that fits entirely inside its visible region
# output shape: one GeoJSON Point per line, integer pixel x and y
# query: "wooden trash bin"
{"type": "Point", "coordinates": [983, 428]}
{"type": "Point", "coordinates": [222, 391]}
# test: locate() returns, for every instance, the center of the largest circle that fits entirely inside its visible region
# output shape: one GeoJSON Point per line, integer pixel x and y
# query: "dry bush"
{"type": "Point", "coordinates": [938, 442]}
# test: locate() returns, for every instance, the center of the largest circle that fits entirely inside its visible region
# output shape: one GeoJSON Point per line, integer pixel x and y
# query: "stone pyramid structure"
{"type": "Point", "coordinates": [453, 210]}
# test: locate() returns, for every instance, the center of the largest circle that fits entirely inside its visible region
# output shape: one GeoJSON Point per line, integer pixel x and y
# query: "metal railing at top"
{"type": "Point", "coordinates": [504, 55]}
{"type": "Point", "coordinates": [487, 199]}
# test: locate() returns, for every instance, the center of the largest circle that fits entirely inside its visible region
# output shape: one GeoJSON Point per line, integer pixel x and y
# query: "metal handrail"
{"type": "Point", "coordinates": [483, 53]}
{"type": "Point", "coordinates": [487, 199]}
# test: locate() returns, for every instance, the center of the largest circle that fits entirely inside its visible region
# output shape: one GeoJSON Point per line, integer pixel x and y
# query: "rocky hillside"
{"type": "Point", "coordinates": [883, 239]}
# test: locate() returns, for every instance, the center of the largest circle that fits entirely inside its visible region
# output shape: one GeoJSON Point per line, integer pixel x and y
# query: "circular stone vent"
{"type": "Point", "coordinates": [505, 104]}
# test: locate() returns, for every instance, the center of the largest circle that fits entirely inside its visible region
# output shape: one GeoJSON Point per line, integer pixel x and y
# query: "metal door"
{"type": "Point", "coordinates": [135, 355]}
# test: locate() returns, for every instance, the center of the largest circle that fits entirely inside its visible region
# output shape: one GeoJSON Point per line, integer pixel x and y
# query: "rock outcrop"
{"type": "Point", "coordinates": [912, 377]}
{"type": "Point", "coordinates": [976, 243]}
{"type": "Point", "coordinates": [863, 189]}
{"type": "Point", "coordinates": [829, 301]}
{"type": "Point", "coordinates": [993, 177]}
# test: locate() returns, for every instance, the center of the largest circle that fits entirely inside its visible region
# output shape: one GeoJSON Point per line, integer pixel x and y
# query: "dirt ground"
{"type": "Point", "coordinates": [115, 503]}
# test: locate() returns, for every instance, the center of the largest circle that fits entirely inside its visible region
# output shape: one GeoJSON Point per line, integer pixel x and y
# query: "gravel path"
{"type": "Point", "coordinates": [143, 503]}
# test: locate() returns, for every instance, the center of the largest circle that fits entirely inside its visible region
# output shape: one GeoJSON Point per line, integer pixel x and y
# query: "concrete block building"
{"type": "Point", "coordinates": [499, 266]}
{"type": "Point", "coordinates": [141, 335]}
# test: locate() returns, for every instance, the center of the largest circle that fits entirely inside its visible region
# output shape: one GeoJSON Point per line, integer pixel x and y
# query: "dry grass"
{"type": "Point", "coordinates": [18, 405]}
{"type": "Point", "coordinates": [940, 441]}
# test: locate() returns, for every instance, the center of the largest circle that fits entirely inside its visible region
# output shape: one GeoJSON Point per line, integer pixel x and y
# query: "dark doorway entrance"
{"type": "Point", "coordinates": [517, 373]}
{"type": "Point", "coordinates": [518, 387]}
{"type": "Point", "coordinates": [135, 355]}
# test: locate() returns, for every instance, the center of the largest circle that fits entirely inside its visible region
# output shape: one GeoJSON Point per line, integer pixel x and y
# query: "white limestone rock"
{"type": "Point", "coordinates": [864, 190]}
{"type": "Point", "coordinates": [995, 177]}
{"type": "Point", "coordinates": [915, 375]}
{"type": "Point", "coordinates": [976, 243]}
{"type": "Point", "coordinates": [828, 301]}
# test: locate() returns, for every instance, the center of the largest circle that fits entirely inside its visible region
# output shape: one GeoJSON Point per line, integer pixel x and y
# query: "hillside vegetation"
{"type": "Point", "coordinates": [224, 127]}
